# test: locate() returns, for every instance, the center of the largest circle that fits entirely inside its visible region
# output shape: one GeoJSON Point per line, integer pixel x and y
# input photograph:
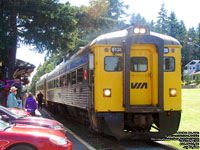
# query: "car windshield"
{"type": "Point", "coordinates": [9, 112]}
{"type": "Point", "coordinates": [4, 125]}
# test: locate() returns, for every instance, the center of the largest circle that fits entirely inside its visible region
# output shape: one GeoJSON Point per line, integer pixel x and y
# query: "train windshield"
{"type": "Point", "coordinates": [139, 64]}
{"type": "Point", "coordinates": [169, 64]}
{"type": "Point", "coordinates": [113, 63]}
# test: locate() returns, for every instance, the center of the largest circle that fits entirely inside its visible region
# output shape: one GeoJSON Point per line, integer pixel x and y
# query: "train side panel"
{"type": "Point", "coordinates": [72, 96]}
{"type": "Point", "coordinates": [71, 86]}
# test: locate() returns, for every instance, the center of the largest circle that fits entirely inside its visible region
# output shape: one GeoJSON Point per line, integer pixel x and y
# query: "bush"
{"type": "Point", "coordinates": [198, 86]}
{"type": "Point", "coordinates": [183, 83]}
{"type": "Point", "coordinates": [187, 79]}
{"type": "Point", "coordinates": [197, 79]}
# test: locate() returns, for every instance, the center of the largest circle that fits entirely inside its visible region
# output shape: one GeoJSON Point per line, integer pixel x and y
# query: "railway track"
{"type": "Point", "coordinates": [104, 142]}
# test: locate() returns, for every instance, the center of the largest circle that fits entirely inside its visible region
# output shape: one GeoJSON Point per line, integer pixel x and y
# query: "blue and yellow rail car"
{"type": "Point", "coordinates": [128, 83]}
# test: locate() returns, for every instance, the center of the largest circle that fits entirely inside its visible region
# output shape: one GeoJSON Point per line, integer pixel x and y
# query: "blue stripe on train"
{"type": "Point", "coordinates": [75, 64]}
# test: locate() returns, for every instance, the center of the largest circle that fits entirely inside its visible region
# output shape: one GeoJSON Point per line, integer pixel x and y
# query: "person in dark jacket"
{"type": "Point", "coordinates": [31, 104]}
{"type": "Point", "coordinates": [40, 99]}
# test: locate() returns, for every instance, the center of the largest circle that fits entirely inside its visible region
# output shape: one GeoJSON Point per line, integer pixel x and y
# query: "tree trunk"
{"type": "Point", "coordinates": [12, 48]}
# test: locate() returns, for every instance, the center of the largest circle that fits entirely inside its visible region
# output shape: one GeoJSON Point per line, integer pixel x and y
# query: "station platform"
{"type": "Point", "coordinates": [78, 143]}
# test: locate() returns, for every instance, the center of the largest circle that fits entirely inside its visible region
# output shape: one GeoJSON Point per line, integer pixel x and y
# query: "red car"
{"type": "Point", "coordinates": [11, 117]}
{"type": "Point", "coordinates": [19, 112]}
{"type": "Point", "coordinates": [25, 137]}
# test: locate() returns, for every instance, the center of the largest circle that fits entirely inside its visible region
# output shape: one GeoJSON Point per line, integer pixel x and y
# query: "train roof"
{"type": "Point", "coordinates": [110, 38]}
{"type": "Point", "coordinates": [119, 36]}
{"type": "Point", "coordinates": [42, 78]}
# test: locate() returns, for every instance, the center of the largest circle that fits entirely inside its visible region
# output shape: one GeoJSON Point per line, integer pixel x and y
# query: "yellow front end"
{"type": "Point", "coordinates": [139, 88]}
{"type": "Point", "coordinates": [139, 95]}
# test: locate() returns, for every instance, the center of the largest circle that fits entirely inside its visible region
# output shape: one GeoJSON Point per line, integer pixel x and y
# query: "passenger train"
{"type": "Point", "coordinates": [127, 83]}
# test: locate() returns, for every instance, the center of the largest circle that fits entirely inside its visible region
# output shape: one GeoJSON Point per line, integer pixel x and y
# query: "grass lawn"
{"type": "Point", "coordinates": [190, 117]}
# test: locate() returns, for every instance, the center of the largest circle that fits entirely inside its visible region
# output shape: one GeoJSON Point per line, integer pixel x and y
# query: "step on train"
{"type": "Point", "coordinates": [126, 83]}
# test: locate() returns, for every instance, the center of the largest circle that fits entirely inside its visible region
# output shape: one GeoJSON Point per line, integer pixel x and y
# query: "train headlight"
{"type": "Point", "coordinates": [136, 30]}
{"type": "Point", "coordinates": [143, 30]}
{"type": "Point", "coordinates": [140, 30]}
{"type": "Point", "coordinates": [107, 92]}
{"type": "Point", "coordinates": [172, 92]}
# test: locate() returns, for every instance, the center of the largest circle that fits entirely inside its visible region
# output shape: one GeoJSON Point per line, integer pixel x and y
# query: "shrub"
{"type": "Point", "coordinates": [187, 79]}
{"type": "Point", "coordinates": [197, 79]}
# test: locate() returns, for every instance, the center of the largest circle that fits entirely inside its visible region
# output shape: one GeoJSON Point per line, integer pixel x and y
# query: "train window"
{"type": "Point", "coordinates": [54, 83]}
{"type": "Point", "coordinates": [40, 87]}
{"type": "Point", "coordinates": [48, 85]}
{"type": "Point", "coordinates": [61, 81]}
{"type": "Point", "coordinates": [139, 64]}
{"type": "Point", "coordinates": [169, 64]}
{"type": "Point", "coordinates": [57, 83]}
{"type": "Point", "coordinates": [64, 80]}
{"type": "Point", "coordinates": [68, 79]}
{"type": "Point", "coordinates": [80, 75]}
{"type": "Point", "coordinates": [73, 77]}
{"type": "Point", "coordinates": [113, 63]}
{"type": "Point", "coordinates": [91, 76]}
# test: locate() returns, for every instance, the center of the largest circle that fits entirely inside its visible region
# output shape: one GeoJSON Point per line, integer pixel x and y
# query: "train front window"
{"type": "Point", "coordinates": [169, 64]}
{"type": "Point", "coordinates": [139, 64]}
{"type": "Point", "coordinates": [113, 63]}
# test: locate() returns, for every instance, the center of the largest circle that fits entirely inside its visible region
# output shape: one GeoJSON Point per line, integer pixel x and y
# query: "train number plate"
{"type": "Point", "coordinates": [116, 49]}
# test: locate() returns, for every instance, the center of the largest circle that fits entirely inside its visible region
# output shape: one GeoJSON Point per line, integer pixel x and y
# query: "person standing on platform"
{"type": "Point", "coordinates": [12, 101]}
{"type": "Point", "coordinates": [24, 96]}
{"type": "Point", "coordinates": [31, 104]}
{"type": "Point", "coordinates": [19, 101]}
{"type": "Point", "coordinates": [40, 99]}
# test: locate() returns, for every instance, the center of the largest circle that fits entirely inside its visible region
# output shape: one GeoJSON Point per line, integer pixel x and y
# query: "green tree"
{"type": "Point", "coordinates": [187, 79]}
{"type": "Point", "coordinates": [162, 22]}
{"type": "Point", "coordinates": [137, 19]}
{"type": "Point", "coordinates": [100, 17]}
{"type": "Point", "coordinates": [192, 47]}
{"type": "Point", "coordinates": [151, 25]}
{"type": "Point", "coordinates": [4, 43]}
{"type": "Point", "coordinates": [46, 24]}
{"type": "Point", "coordinates": [116, 9]}
{"type": "Point", "coordinates": [173, 25]}
{"type": "Point", "coordinates": [48, 66]}
{"type": "Point", "coordinates": [198, 42]}
{"type": "Point", "coordinates": [183, 39]}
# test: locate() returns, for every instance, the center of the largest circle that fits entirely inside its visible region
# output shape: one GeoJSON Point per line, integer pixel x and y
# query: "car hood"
{"type": "Point", "coordinates": [37, 121]}
{"type": "Point", "coordinates": [19, 111]}
{"type": "Point", "coordinates": [34, 130]}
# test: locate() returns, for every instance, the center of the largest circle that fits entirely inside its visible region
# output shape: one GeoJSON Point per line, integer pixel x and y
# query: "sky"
{"type": "Point", "coordinates": [186, 10]}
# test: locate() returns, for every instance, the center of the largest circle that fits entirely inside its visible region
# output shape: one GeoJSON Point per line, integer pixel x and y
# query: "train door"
{"type": "Point", "coordinates": [143, 75]}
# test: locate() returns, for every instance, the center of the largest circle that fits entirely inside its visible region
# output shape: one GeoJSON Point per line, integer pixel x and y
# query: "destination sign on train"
{"type": "Point", "coordinates": [116, 49]}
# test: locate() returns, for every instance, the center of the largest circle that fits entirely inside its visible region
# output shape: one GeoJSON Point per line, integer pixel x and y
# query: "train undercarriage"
{"type": "Point", "coordinates": [122, 124]}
